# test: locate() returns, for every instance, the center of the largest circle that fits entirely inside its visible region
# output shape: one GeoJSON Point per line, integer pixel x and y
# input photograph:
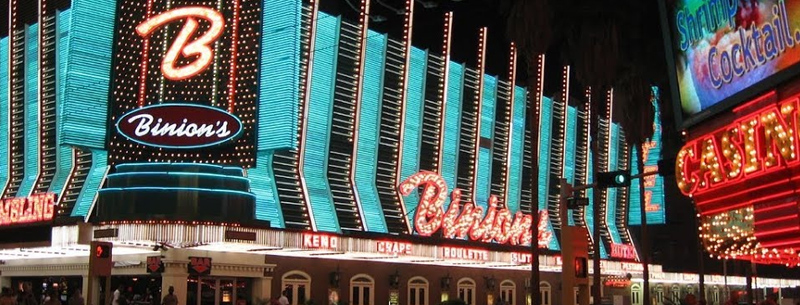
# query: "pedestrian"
{"type": "Point", "coordinates": [170, 298]}
{"type": "Point", "coordinates": [118, 295]}
{"type": "Point", "coordinates": [77, 298]}
{"type": "Point", "coordinates": [284, 300]}
{"type": "Point", "coordinates": [6, 298]}
{"type": "Point", "coordinates": [52, 298]}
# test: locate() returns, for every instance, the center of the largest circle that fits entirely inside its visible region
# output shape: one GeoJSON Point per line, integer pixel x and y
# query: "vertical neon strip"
{"type": "Point", "coordinates": [94, 181]}
{"type": "Point", "coordinates": [5, 98]}
{"type": "Point", "coordinates": [39, 77]}
{"type": "Point", "coordinates": [10, 67]}
{"type": "Point", "coordinates": [363, 22]}
{"type": "Point", "coordinates": [31, 111]}
{"type": "Point", "coordinates": [443, 90]}
{"type": "Point", "coordinates": [452, 126]}
{"type": "Point", "coordinates": [215, 68]}
{"type": "Point", "coordinates": [483, 170]}
{"type": "Point", "coordinates": [262, 184]}
{"type": "Point", "coordinates": [569, 152]}
{"type": "Point", "coordinates": [611, 195]}
{"type": "Point", "coordinates": [369, 135]}
{"type": "Point", "coordinates": [588, 193]}
{"type": "Point", "coordinates": [64, 157]}
{"type": "Point", "coordinates": [517, 150]}
{"type": "Point", "coordinates": [163, 81]}
{"type": "Point", "coordinates": [145, 51]}
{"type": "Point", "coordinates": [412, 141]}
{"type": "Point", "coordinates": [407, 33]}
{"type": "Point", "coordinates": [479, 101]}
{"type": "Point", "coordinates": [318, 123]}
{"type": "Point", "coordinates": [565, 90]}
{"type": "Point", "coordinates": [307, 87]}
{"type": "Point", "coordinates": [234, 45]}
{"type": "Point", "coordinates": [512, 76]}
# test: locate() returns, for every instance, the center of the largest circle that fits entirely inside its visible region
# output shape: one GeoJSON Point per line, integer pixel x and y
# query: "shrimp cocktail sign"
{"type": "Point", "coordinates": [182, 125]}
{"type": "Point", "coordinates": [467, 220]}
{"type": "Point", "coordinates": [722, 47]}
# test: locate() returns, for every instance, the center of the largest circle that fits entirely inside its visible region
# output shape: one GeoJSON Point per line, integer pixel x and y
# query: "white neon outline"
{"type": "Point", "coordinates": [10, 80]}
{"type": "Point", "coordinates": [588, 156]}
{"type": "Point", "coordinates": [512, 76]}
{"type": "Point", "coordinates": [362, 54]}
{"type": "Point", "coordinates": [181, 44]}
{"type": "Point", "coordinates": [407, 33]}
{"type": "Point", "coordinates": [565, 100]}
{"type": "Point", "coordinates": [39, 53]}
{"type": "Point", "coordinates": [479, 109]}
{"type": "Point", "coordinates": [448, 28]}
{"type": "Point", "coordinates": [302, 147]}
{"type": "Point", "coordinates": [539, 98]}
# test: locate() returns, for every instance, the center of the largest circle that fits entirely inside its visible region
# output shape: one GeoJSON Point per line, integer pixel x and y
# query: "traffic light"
{"type": "Point", "coordinates": [581, 266]}
{"type": "Point", "coordinates": [100, 258]}
{"type": "Point", "coordinates": [102, 251]}
{"type": "Point", "coordinates": [613, 179]}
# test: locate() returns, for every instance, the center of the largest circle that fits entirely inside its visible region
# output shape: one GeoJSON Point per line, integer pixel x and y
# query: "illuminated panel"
{"type": "Point", "coordinates": [483, 175]}
{"type": "Point", "coordinates": [4, 96]}
{"type": "Point", "coordinates": [655, 208]}
{"type": "Point", "coordinates": [47, 96]}
{"type": "Point", "coordinates": [582, 157]}
{"type": "Point", "coordinates": [94, 180]}
{"type": "Point", "coordinates": [452, 126]}
{"type": "Point", "coordinates": [279, 74]}
{"type": "Point", "coordinates": [545, 140]}
{"type": "Point", "coordinates": [64, 153]}
{"type": "Point", "coordinates": [589, 211]}
{"type": "Point", "coordinates": [443, 88]}
{"type": "Point", "coordinates": [570, 153]}
{"type": "Point", "coordinates": [32, 119]}
{"type": "Point", "coordinates": [368, 133]}
{"type": "Point", "coordinates": [611, 197]}
{"type": "Point", "coordinates": [432, 115]}
{"type": "Point", "coordinates": [83, 119]}
{"type": "Point", "coordinates": [479, 175]}
{"type": "Point", "coordinates": [469, 136]}
{"type": "Point", "coordinates": [501, 168]}
{"type": "Point", "coordinates": [263, 185]}
{"type": "Point", "coordinates": [15, 110]}
{"type": "Point", "coordinates": [341, 159]}
{"type": "Point", "coordinates": [314, 154]}
{"type": "Point", "coordinates": [557, 141]}
{"type": "Point", "coordinates": [412, 130]}
{"type": "Point", "coordinates": [623, 193]}
{"type": "Point", "coordinates": [517, 145]}
{"type": "Point", "coordinates": [292, 192]}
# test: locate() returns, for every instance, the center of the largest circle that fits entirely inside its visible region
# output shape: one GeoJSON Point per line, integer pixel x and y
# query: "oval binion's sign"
{"type": "Point", "coordinates": [180, 126]}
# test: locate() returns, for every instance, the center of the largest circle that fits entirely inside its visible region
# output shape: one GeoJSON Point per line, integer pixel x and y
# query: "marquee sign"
{"type": "Point", "coordinates": [497, 224]}
{"type": "Point", "coordinates": [180, 126]}
{"type": "Point", "coordinates": [27, 210]}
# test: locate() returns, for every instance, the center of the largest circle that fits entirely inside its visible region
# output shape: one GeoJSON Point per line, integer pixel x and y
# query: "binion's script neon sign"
{"type": "Point", "coordinates": [200, 47]}
{"type": "Point", "coordinates": [459, 221]}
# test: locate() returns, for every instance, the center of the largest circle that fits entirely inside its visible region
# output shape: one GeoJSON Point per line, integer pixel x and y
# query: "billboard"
{"type": "Point", "coordinates": [726, 51]}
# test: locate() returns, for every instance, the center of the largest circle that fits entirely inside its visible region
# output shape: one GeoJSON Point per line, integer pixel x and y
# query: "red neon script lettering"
{"type": "Point", "coordinates": [199, 47]}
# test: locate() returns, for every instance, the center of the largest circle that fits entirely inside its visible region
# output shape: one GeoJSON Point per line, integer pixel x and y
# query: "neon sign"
{"type": "Point", "coordinates": [182, 126]}
{"type": "Point", "coordinates": [26, 210]}
{"type": "Point", "coordinates": [394, 247]}
{"type": "Point", "coordinates": [623, 251]}
{"type": "Point", "coordinates": [320, 241]}
{"type": "Point", "coordinates": [465, 254]}
{"type": "Point", "coordinates": [459, 222]}
{"type": "Point", "coordinates": [201, 47]}
{"type": "Point", "coordinates": [761, 142]}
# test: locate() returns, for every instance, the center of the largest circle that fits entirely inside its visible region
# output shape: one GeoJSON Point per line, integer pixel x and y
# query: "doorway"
{"type": "Point", "coordinates": [219, 291]}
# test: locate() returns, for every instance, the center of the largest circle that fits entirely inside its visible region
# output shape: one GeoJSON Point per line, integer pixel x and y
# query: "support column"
{"type": "Point", "coordinates": [175, 275]}
{"type": "Point", "coordinates": [262, 288]}
{"type": "Point", "coordinates": [91, 290]}
{"type": "Point", "coordinates": [5, 281]}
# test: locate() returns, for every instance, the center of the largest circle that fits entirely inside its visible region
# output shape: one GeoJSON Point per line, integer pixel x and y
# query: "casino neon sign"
{"type": "Point", "coordinates": [755, 145]}
{"type": "Point", "coordinates": [459, 221]}
{"type": "Point", "coordinates": [27, 210]}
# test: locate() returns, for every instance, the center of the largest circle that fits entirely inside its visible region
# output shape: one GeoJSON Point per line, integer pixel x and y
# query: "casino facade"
{"type": "Point", "coordinates": [236, 149]}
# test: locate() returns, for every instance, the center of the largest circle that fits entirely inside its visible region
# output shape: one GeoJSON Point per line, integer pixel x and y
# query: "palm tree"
{"type": "Point", "coordinates": [593, 49]}
{"type": "Point", "coordinates": [528, 26]}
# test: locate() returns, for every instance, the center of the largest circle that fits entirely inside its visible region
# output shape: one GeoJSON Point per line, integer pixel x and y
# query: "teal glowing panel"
{"type": "Point", "coordinates": [452, 126]}
{"type": "Point", "coordinates": [262, 184]}
{"type": "Point", "coordinates": [654, 185]}
{"type": "Point", "coordinates": [63, 152]}
{"type": "Point", "coordinates": [484, 166]}
{"type": "Point", "coordinates": [279, 74]}
{"type": "Point", "coordinates": [4, 105]}
{"type": "Point", "coordinates": [84, 117]}
{"type": "Point", "coordinates": [517, 150]}
{"type": "Point", "coordinates": [369, 133]}
{"type": "Point", "coordinates": [31, 110]}
{"type": "Point", "coordinates": [545, 139]}
{"type": "Point", "coordinates": [611, 195]}
{"type": "Point", "coordinates": [94, 180]}
{"type": "Point", "coordinates": [320, 109]}
{"type": "Point", "coordinates": [590, 209]}
{"type": "Point", "coordinates": [569, 152]}
{"type": "Point", "coordinates": [411, 145]}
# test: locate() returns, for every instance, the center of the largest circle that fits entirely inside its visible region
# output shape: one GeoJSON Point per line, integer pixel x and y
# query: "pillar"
{"type": "Point", "coordinates": [5, 281]}
{"type": "Point", "coordinates": [175, 275]}
{"type": "Point", "coordinates": [262, 288]}
{"type": "Point", "coordinates": [91, 290]}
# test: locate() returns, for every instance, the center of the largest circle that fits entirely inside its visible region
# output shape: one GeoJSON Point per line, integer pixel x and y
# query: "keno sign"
{"type": "Point", "coordinates": [180, 126]}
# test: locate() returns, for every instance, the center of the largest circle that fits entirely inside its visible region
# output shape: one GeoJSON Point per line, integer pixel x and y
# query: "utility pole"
{"type": "Point", "coordinates": [574, 252]}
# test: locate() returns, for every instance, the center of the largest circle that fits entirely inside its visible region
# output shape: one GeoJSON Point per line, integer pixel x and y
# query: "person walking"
{"type": "Point", "coordinates": [6, 298]}
{"type": "Point", "coordinates": [76, 299]}
{"type": "Point", "coordinates": [170, 298]}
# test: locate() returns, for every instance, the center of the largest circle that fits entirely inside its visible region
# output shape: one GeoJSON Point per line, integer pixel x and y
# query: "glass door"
{"type": "Point", "coordinates": [220, 291]}
{"type": "Point", "coordinates": [227, 292]}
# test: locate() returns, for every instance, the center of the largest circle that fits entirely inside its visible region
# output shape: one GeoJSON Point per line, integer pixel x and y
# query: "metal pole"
{"type": "Point", "coordinates": [725, 274]}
